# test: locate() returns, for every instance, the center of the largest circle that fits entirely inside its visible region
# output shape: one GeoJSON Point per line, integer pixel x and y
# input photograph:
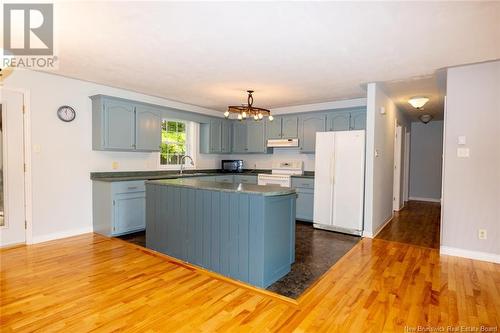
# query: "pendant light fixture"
{"type": "Point", "coordinates": [248, 110]}
{"type": "Point", "coordinates": [418, 102]}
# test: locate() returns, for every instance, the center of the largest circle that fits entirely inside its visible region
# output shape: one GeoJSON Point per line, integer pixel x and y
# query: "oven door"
{"type": "Point", "coordinates": [281, 180]}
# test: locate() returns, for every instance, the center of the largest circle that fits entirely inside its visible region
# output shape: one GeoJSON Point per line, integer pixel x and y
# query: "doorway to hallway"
{"type": "Point", "coordinates": [418, 223]}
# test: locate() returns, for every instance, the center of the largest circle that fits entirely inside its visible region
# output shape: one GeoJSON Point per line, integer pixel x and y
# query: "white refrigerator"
{"type": "Point", "coordinates": [339, 181]}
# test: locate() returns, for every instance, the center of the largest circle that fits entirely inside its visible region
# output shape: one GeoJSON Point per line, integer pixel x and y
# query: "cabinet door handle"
{"type": "Point", "coordinates": [132, 188]}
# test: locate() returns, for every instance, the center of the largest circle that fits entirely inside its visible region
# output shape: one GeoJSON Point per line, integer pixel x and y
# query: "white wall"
{"type": "Point", "coordinates": [379, 158]}
{"type": "Point", "coordinates": [471, 186]}
{"type": "Point", "coordinates": [426, 156]}
{"type": "Point", "coordinates": [62, 198]}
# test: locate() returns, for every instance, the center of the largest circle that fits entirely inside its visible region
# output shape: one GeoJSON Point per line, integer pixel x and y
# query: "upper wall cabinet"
{"type": "Point", "coordinates": [289, 127]}
{"type": "Point", "coordinates": [346, 120]}
{"type": "Point", "coordinates": [282, 127]}
{"type": "Point", "coordinates": [273, 128]}
{"type": "Point", "coordinates": [124, 126]}
{"type": "Point", "coordinates": [249, 137]}
{"type": "Point", "coordinates": [147, 129]}
{"type": "Point", "coordinates": [338, 121]}
{"type": "Point", "coordinates": [226, 136]}
{"type": "Point", "coordinates": [309, 125]}
{"type": "Point", "coordinates": [215, 137]}
{"type": "Point", "coordinates": [358, 120]}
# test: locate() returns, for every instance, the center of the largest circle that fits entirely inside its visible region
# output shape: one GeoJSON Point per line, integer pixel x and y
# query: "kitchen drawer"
{"type": "Point", "coordinates": [129, 186]}
{"type": "Point", "coordinates": [244, 179]}
{"type": "Point", "coordinates": [303, 182]}
{"type": "Point", "coordinates": [224, 179]}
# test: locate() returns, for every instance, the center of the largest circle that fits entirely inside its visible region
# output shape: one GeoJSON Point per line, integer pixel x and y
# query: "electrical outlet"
{"type": "Point", "coordinates": [482, 234]}
{"type": "Point", "coordinates": [115, 165]}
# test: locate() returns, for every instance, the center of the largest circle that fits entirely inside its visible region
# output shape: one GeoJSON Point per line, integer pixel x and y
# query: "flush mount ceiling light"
{"type": "Point", "coordinates": [418, 102]}
{"type": "Point", "coordinates": [425, 118]}
{"type": "Point", "coordinates": [248, 110]}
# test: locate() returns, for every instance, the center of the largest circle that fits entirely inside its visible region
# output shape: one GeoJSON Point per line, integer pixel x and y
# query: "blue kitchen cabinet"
{"type": "Point", "coordinates": [225, 136]}
{"type": "Point", "coordinates": [282, 127]}
{"type": "Point", "coordinates": [215, 137]}
{"type": "Point", "coordinates": [289, 127]}
{"type": "Point", "coordinates": [119, 128]}
{"type": "Point", "coordinates": [249, 137]}
{"type": "Point", "coordinates": [305, 198]}
{"type": "Point", "coordinates": [358, 120]}
{"type": "Point", "coordinates": [121, 125]}
{"type": "Point", "coordinates": [346, 120]}
{"type": "Point", "coordinates": [215, 133]}
{"type": "Point", "coordinates": [309, 125]}
{"type": "Point", "coordinates": [256, 142]}
{"type": "Point", "coordinates": [118, 207]}
{"type": "Point", "coordinates": [338, 121]}
{"type": "Point", "coordinates": [147, 129]}
{"type": "Point", "coordinates": [273, 128]}
{"type": "Point", "coordinates": [239, 137]}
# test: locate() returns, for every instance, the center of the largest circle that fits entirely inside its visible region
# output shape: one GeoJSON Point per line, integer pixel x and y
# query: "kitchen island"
{"type": "Point", "coordinates": [243, 231]}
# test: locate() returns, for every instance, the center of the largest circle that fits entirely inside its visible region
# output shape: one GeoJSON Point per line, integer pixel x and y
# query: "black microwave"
{"type": "Point", "coordinates": [232, 166]}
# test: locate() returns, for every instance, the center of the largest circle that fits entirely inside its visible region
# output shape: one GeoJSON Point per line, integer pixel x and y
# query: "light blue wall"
{"type": "Point", "coordinates": [426, 150]}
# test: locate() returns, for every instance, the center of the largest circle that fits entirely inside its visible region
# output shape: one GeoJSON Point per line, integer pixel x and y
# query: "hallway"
{"type": "Point", "coordinates": [417, 224]}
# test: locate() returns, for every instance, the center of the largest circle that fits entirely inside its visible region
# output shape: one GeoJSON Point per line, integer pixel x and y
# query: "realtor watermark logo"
{"type": "Point", "coordinates": [28, 36]}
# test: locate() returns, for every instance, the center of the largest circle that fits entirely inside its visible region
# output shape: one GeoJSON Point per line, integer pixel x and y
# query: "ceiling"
{"type": "Point", "coordinates": [290, 53]}
{"type": "Point", "coordinates": [431, 86]}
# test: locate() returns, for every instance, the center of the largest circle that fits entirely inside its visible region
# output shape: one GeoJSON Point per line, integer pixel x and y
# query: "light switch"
{"type": "Point", "coordinates": [382, 110]}
{"type": "Point", "coordinates": [463, 152]}
{"type": "Point", "coordinates": [376, 153]}
{"type": "Point", "coordinates": [462, 140]}
{"type": "Point", "coordinates": [37, 148]}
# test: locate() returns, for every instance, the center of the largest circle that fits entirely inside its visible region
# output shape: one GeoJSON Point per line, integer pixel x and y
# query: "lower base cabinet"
{"type": "Point", "coordinates": [118, 208]}
{"type": "Point", "coordinates": [305, 198]}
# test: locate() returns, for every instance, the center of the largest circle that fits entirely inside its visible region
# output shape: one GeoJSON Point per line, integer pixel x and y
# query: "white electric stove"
{"type": "Point", "coordinates": [281, 173]}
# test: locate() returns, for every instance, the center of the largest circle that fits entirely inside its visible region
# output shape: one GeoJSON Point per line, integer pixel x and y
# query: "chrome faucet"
{"type": "Point", "coordinates": [183, 158]}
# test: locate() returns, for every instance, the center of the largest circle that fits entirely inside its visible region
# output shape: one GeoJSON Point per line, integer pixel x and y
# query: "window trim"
{"type": "Point", "coordinates": [190, 140]}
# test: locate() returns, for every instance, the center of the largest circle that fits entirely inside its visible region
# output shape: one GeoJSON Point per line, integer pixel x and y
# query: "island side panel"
{"type": "Point", "coordinates": [278, 238]}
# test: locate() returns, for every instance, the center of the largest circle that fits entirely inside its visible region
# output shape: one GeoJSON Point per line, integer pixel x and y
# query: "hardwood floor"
{"type": "Point", "coordinates": [91, 282]}
{"type": "Point", "coordinates": [418, 224]}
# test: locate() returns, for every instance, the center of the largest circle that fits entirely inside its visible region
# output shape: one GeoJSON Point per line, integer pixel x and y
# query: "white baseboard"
{"type": "Point", "coordinates": [62, 234]}
{"type": "Point", "coordinates": [369, 234]}
{"type": "Point", "coordinates": [484, 256]}
{"type": "Point", "coordinates": [425, 199]}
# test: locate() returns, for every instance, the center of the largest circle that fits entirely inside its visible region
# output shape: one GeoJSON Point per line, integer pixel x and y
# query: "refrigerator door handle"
{"type": "Point", "coordinates": [332, 170]}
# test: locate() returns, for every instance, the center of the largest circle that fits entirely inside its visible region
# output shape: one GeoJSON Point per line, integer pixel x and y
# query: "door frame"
{"type": "Point", "coordinates": [28, 203]}
{"type": "Point", "coordinates": [396, 186]}
{"type": "Point", "coordinates": [406, 166]}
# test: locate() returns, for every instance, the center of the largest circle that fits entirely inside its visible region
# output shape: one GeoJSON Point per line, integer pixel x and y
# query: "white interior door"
{"type": "Point", "coordinates": [349, 175]}
{"type": "Point", "coordinates": [323, 178]}
{"type": "Point", "coordinates": [13, 229]}
{"type": "Point", "coordinates": [396, 203]}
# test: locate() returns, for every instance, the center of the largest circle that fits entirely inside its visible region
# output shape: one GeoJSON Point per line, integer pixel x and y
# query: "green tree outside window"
{"type": "Point", "coordinates": [173, 142]}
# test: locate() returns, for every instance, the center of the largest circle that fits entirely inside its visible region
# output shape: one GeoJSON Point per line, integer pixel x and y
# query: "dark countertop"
{"type": "Point", "coordinates": [267, 190]}
{"type": "Point", "coordinates": [120, 176]}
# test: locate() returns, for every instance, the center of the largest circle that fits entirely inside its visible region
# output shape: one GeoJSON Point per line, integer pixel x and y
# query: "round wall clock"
{"type": "Point", "coordinates": [66, 113]}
